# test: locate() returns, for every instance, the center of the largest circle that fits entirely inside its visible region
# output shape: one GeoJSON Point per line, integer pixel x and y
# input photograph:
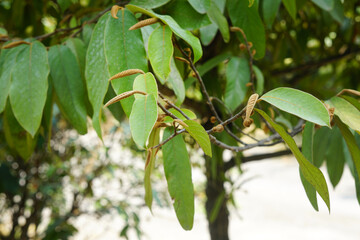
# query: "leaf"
{"type": "Point", "coordinates": [29, 86]}
{"type": "Point", "coordinates": [177, 83]}
{"type": "Point", "coordinates": [208, 33]}
{"type": "Point", "coordinates": [270, 10]}
{"type": "Point", "coordinates": [213, 62]}
{"type": "Point", "coordinates": [290, 6]}
{"type": "Point", "coordinates": [175, 28]}
{"type": "Point", "coordinates": [327, 5]}
{"type": "Point", "coordinates": [237, 76]}
{"type": "Point", "coordinates": [248, 19]}
{"type": "Point", "coordinates": [321, 143]}
{"type": "Point", "coordinates": [299, 103]}
{"type": "Point", "coordinates": [307, 150]}
{"type": "Point", "coordinates": [337, 12]}
{"type": "Point", "coordinates": [178, 176]}
{"type": "Point", "coordinates": [146, 83]}
{"type": "Point", "coordinates": [160, 51]}
{"type": "Point", "coordinates": [351, 144]}
{"type": "Point", "coordinates": [142, 118]}
{"type": "Point", "coordinates": [188, 112]}
{"type": "Point", "coordinates": [311, 173]}
{"type": "Point", "coordinates": [217, 17]}
{"type": "Point", "coordinates": [335, 158]}
{"type": "Point", "coordinates": [219, 202]}
{"type": "Point", "coordinates": [69, 87]}
{"type": "Point", "coordinates": [149, 4]}
{"type": "Point", "coordinates": [200, 135]}
{"type": "Point", "coordinates": [201, 6]}
{"type": "Point", "coordinates": [3, 32]}
{"type": "Point", "coordinates": [259, 80]}
{"type": "Point", "coordinates": [114, 108]}
{"type": "Point", "coordinates": [7, 63]}
{"type": "Point", "coordinates": [353, 101]}
{"type": "Point", "coordinates": [112, 49]}
{"type": "Point", "coordinates": [347, 112]}
{"type": "Point", "coordinates": [16, 137]}
{"type": "Point", "coordinates": [154, 140]}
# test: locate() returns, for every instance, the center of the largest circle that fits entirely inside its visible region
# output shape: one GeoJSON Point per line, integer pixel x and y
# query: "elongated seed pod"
{"type": "Point", "coordinates": [182, 60]}
{"type": "Point", "coordinates": [15, 44]}
{"type": "Point", "coordinates": [218, 128]}
{"type": "Point", "coordinates": [181, 122]}
{"type": "Point", "coordinates": [249, 109]}
{"type": "Point", "coordinates": [126, 73]}
{"type": "Point", "coordinates": [351, 91]}
{"type": "Point", "coordinates": [144, 23]}
{"type": "Point", "coordinates": [114, 11]}
{"type": "Point", "coordinates": [124, 95]}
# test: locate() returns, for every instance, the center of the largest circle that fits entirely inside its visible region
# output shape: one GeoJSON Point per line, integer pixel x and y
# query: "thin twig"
{"type": "Point", "coordinates": [173, 106]}
{"type": "Point", "coordinates": [166, 111]}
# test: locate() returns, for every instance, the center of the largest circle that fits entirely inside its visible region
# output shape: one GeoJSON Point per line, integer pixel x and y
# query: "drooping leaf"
{"type": "Point", "coordinates": [335, 158]}
{"type": "Point", "coordinates": [270, 10]}
{"type": "Point", "coordinates": [321, 143]}
{"type": "Point", "coordinates": [29, 86]}
{"type": "Point", "coordinates": [307, 150]}
{"type": "Point", "coordinates": [142, 118]}
{"type": "Point", "coordinates": [213, 62]}
{"type": "Point", "coordinates": [248, 19]}
{"type": "Point", "coordinates": [149, 4]}
{"type": "Point", "coordinates": [178, 175]}
{"type": "Point", "coordinates": [327, 5]}
{"type": "Point", "coordinates": [160, 51]}
{"type": "Point", "coordinates": [7, 64]}
{"type": "Point", "coordinates": [146, 83]}
{"type": "Point", "coordinates": [347, 112]}
{"type": "Point", "coordinates": [311, 173]}
{"type": "Point", "coordinates": [201, 6]}
{"type": "Point", "coordinates": [183, 34]}
{"type": "Point", "coordinates": [69, 87]}
{"type": "Point", "coordinates": [200, 135]}
{"type": "Point", "coordinates": [260, 82]}
{"type": "Point", "coordinates": [299, 103]}
{"type": "Point", "coordinates": [237, 76]}
{"type": "Point", "coordinates": [177, 83]}
{"type": "Point", "coordinates": [188, 113]}
{"type": "Point", "coordinates": [218, 18]}
{"type": "Point", "coordinates": [290, 6]}
{"type": "Point", "coordinates": [112, 49]}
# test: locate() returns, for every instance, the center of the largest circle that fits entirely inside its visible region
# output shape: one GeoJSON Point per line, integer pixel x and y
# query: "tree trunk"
{"type": "Point", "coordinates": [216, 199]}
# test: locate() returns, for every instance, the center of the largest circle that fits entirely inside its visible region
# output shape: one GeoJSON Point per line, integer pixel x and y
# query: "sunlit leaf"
{"type": "Point", "coordinates": [347, 112]}
{"type": "Point", "coordinates": [200, 135]}
{"type": "Point", "coordinates": [146, 83]}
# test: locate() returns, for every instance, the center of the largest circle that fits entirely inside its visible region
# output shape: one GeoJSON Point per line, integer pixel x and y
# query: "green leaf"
{"type": "Point", "coordinates": [183, 34]}
{"type": "Point", "coordinates": [154, 140]}
{"type": "Point", "coordinates": [112, 49]}
{"type": "Point", "coordinates": [299, 103]}
{"type": "Point", "coordinates": [290, 6]}
{"type": "Point", "coordinates": [16, 137]}
{"type": "Point", "coordinates": [3, 32]}
{"type": "Point", "coordinates": [178, 176]}
{"type": "Point", "coordinates": [260, 82]}
{"type": "Point", "coordinates": [353, 101]}
{"type": "Point", "coordinates": [208, 33]}
{"type": "Point", "coordinates": [69, 87]}
{"type": "Point", "coordinates": [213, 62]}
{"type": "Point", "coordinates": [188, 112]}
{"type": "Point", "coordinates": [201, 6]}
{"type": "Point", "coordinates": [176, 83]}
{"type": "Point", "coordinates": [146, 83]}
{"type": "Point", "coordinates": [237, 76]}
{"type": "Point", "coordinates": [307, 150]}
{"type": "Point", "coordinates": [29, 86]}
{"type": "Point", "coordinates": [321, 143]}
{"type": "Point", "coordinates": [311, 173]}
{"type": "Point", "coordinates": [337, 12]}
{"type": "Point", "coordinates": [335, 158]}
{"type": "Point", "coordinates": [217, 17]}
{"type": "Point", "coordinates": [327, 5]}
{"type": "Point", "coordinates": [115, 108]}
{"type": "Point", "coordinates": [160, 51]}
{"type": "Point", "coordinates": [149, 4]}
{"type": "Point", "coordinates": [142, 118]}
{"type": "Point", "coordinates": [200, 135]}
{"type": "Point", "coordinates": [7, 64]}
{"type": "Point", "coordinates": [270, 10]}
{"type": "Point", "coordinates": [347, 112]}
{"type": "Point", "coordinates": [185, 15]}
{"type": "Point", "coordinates": [248, 19]}
{"type": "Point", "coordinates": [219, 202]}
{"type": "Point", "coordinates": [351, 143]}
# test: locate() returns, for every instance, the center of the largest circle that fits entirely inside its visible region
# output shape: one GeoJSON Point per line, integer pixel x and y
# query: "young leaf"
{"type": "Point", "coordinates": [146, 83]}
{"type": "Point", "coordinates": [69, 87]}
{"type": "Point", "coordinates": [347, 112]}
{"type": "Point", "coordinates": [217, 17]}
{"type": "Point", "coordinates": [177, 83]}
{"type": "Point", "coordinates": [307, 150]}
{"type": "Point", "coordinates": [160, 49]}
{"type": "Point", "coordinates": [184, 34]}
{"type": "Point", "coordinates": [178, 176]}
{"type": "Point", "coordinates": [142, 118]}
{"type": "Point", "coordinates": [248, 19]}
{"type": "Point", "coordinates": [299, 103]}
{"type": "Point", "coordinates": [290, 6]}
{"type": "Point", "coordinates": [311, 173]}
{"type": "Point", "coordinates": [29, 86]}
{"type": "Point", "coordinates": [201, 6]}
{"type": "Point", "coordinates": [200, 135]}
{"type": "Point", "coordinates": [270, 10]}
{"type": "Point", "coordinates": [237, 75]}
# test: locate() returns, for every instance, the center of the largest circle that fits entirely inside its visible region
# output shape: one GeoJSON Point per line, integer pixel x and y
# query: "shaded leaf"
{"type": "Point", "coordinates": [321, 143]}
{"type": "Point", "coordinates": [200, 135]}
{"type": "Point", "coordinates": [260, 82]}
{"type": "Point", "coordinates": [327, 5]}
{"type": "Point", "coordinates": [213, 62]}
{"type": "Point", "coordinates": [201, 6]}
{"type": "Point", "coordinates": [217, 17]}
{"type": "Point", "coordinates": [270, 10]}
{"type": "Point", "coordinates": [290, 6]}
{"type": "Point", "coordinates": [149, 4]}
{"type": "Point", "coordinates": [338, 11]}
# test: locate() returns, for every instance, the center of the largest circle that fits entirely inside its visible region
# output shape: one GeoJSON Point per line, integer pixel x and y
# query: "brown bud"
{"type": "Point", "coordinates": [242, 46]}
{"type": "Point", "coordinates": [249, 109]}
{"type": "Point", "coordinates": [253, 52]}
{"type": "Point", "coordinates": [144, 23]}
{"type": "Point", "coordinates": [250, 44]}
{"type": "Point", "coordinates": [249, 84]}
{"type": "Point", "coordinates": [123, 95]}
{"type": "Point", "coordinates": [182, 60]}
{"type": "Point", "coordinates": [213, 119]}
{"type": "Point", "coordinates": [114, 11]}
{"type": "Point", "coordinates": [218, 128]}
{"type": "Point", "coordinates": [126, 73]}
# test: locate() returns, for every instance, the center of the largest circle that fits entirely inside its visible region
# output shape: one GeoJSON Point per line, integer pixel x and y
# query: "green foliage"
{"type": "Point", "coordinates": [199, 134]}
